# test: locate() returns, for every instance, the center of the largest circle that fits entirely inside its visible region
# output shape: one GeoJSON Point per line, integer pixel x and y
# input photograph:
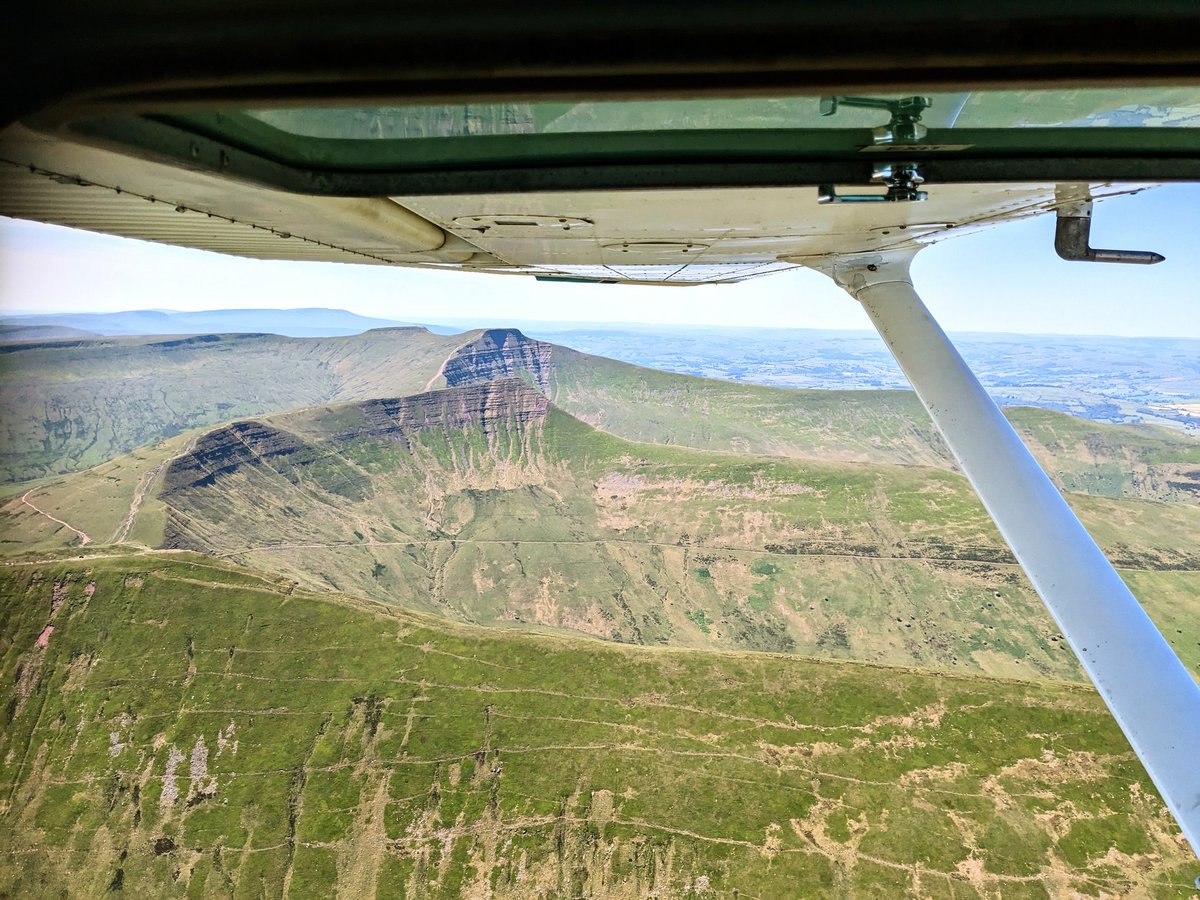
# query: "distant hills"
{"type": "Point", "coordinates": [1115, 380]}
{"type": "Point", "coordinates": [312, 322]}
{"type": "Point", "coordinates": [70, 406]}
{"type": "Point", "coordinates": [67, 407]}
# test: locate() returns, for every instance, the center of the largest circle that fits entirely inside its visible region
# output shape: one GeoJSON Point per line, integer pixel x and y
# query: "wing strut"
{"type": "Point", "coordinates": [1150, 693]}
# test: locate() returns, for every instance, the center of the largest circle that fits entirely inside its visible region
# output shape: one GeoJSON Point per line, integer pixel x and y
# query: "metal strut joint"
{"type": "Point", "coordinates": [904, 127]}
{"type": "Point", "coordinates": [902, 180]}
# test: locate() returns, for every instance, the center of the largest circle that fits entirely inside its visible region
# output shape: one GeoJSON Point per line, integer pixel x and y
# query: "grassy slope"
{"type": "Point", "coordinates": [66, 407]}
{"type": "Point", "coordinates": [663, 407]}
{"type": "Point", "coordinates": [99, 502]}
{"type": "Point", "coordinates": [562, 527]}
{"type": "Point", "coordinates": [192, 730]}
{"type": "Point", "coordinates": [860, 426]}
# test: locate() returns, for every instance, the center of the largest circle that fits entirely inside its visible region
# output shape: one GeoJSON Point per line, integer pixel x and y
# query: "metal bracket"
{"type": "Point", "coordinates": [902, 180]}
{"type": "Point", "coordinates": [905, 125]}
{"type": "Point", "coordinates": [1073, 231]}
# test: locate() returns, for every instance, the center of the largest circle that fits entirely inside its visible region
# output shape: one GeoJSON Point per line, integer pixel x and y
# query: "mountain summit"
{"type": "Point", "coordinates": [501, 353]}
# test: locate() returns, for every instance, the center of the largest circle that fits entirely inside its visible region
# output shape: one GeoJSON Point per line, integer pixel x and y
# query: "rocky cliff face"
{"type": "Point", "coordinates": [501, 353]}
{"type": "Point", "coordinates": [486, 406]}
{"type": "Point", "coordinates": [292, 479]}
{"type": "Point", "coordinates": [490, 407]}
{"type": "Point", "coordinates": [225, 450]}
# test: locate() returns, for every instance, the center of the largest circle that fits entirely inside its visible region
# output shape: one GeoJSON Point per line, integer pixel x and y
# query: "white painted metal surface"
{"type": "Point", "coordinates": [1150, 693]}
{"type": "Point", "coordinates": [50, 180]}
{"type": "Point", "coordinates": [713, 235]}
{"type": "Point", "coordinates": [665, 237]}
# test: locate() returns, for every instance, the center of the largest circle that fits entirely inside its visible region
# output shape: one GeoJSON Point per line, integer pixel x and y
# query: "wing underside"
{"type": "Point", "coordinates": [668, 192]}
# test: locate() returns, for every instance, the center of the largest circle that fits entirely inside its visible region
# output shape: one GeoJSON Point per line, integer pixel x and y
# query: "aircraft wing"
{"type": "Point", "coordinates": [671, 192]}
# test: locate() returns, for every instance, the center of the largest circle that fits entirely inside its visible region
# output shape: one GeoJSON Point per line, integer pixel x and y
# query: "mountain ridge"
{"type": "Point", "coordinates": [188, 726]}
{"type": "Point", "coordinates": [486, 503]}
{"type": "Point", "coordinates": [297, 322]}
{"type": "Point", "coordinates": [122, 393]}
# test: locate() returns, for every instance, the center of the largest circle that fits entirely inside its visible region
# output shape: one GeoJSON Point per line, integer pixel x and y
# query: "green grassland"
{"type": "Point", "coordinates": [190, 729]}
{"type": "Point", "coordinates": [304, 727]}
{"type": "Point", "coordinates": [111, 502]}
{"type": "Point", "coordinates": [68, 406]}
{"type": "Point", "coordinates": [555, 526]}
{"type": "Point", "coordinates": [860, 426]}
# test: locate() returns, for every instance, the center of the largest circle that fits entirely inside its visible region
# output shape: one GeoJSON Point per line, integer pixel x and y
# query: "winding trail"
{"type": "Point", "coordinates": [139, 495]}
{"type": "Point", "coordinates": [84, 540]}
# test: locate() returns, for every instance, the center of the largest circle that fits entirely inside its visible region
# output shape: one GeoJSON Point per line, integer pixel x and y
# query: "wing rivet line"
{"type": "Point", "coordinates": [183, 207]}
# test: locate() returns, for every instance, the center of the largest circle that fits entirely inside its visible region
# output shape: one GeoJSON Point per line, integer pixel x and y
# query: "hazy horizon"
{"type": "Point", "coordinates": [468, 323]}
{"type": "Point", "coordinates": [1005, 279]}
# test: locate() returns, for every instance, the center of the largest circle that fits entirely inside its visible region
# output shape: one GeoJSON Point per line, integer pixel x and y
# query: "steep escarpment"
{"type": "Point", "coordinates": [668, 408]}
{"type": "Point", "coordinates": [224, 450]}
{"type": "Point", "coordinates": [70, 406]}
{"type": "Point", "coordinates": [487, 406]}
{"type": "Point", "coordinates": [502, 353]}
{"type": "Point", "coordinates": [888, 427]}
{"type": "Point", "coordinates": [488, 504]}
{"type": "Point", "coordinates": [293, 478]}
{"type": "Point", "coordinates": [234, 474]}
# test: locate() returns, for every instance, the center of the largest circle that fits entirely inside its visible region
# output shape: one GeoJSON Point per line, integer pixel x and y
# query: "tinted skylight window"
{"type": "Point", "coordinates": [1093, 108]}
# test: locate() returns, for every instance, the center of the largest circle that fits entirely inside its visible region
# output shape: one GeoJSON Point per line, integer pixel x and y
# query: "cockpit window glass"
{"type": "Point", "coordinates": [1092, 108]}
{"type": "Point", "coordinates": [1098, 135]}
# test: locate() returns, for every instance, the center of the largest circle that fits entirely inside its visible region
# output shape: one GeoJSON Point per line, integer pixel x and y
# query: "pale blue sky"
{"type": "Point", "coordinates": [1004, 279]}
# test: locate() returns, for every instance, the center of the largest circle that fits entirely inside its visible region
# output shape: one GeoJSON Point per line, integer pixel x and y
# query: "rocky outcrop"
{"type": "Point", "coordinates": [224, 450]}
{"type": "Point", "coordinates": [502, 353]}
{"type": "Point", "coordinates": [227, 450]}
{"type": "Point", "coordinates": [487, 406]}
{"type": "Point", "coordinates": [490, 407]}
{"type": "Point", "coordinates": [288, 480]}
